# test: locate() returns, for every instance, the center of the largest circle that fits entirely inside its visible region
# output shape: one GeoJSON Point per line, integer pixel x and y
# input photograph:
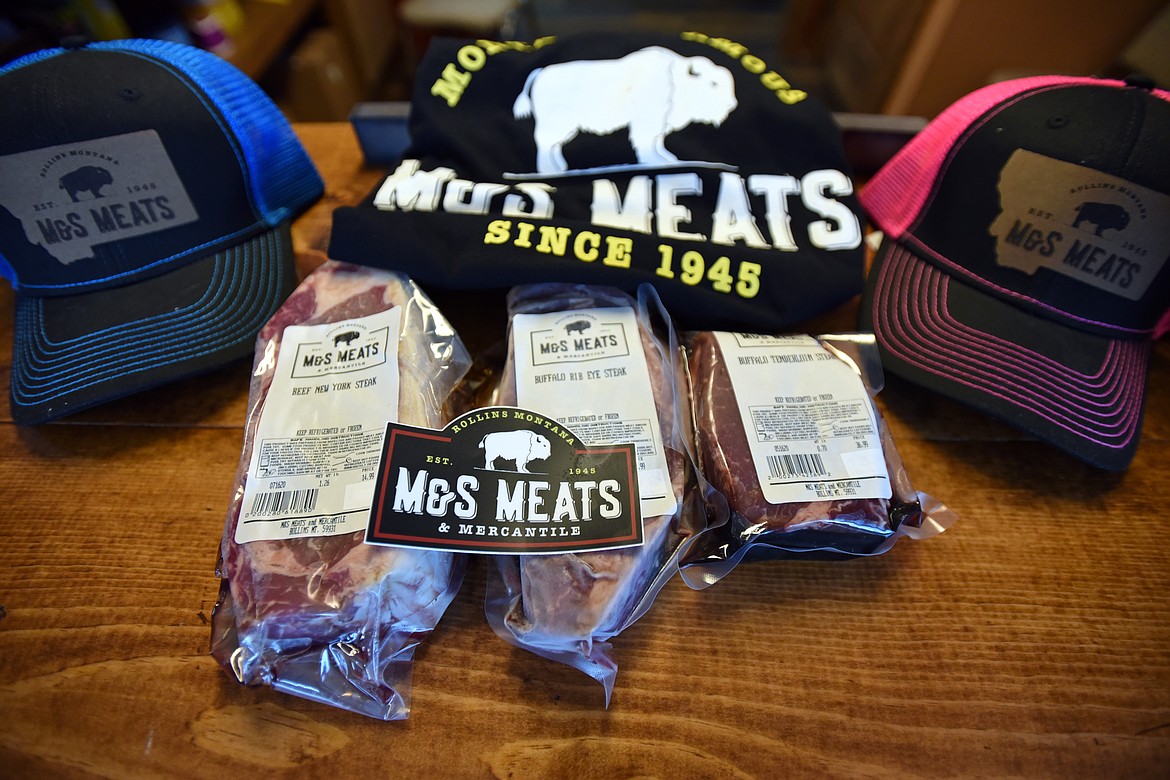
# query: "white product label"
{"type": "Point", "coordinates": [586, 368]}
{"type": "Point", "coordinates": [808, 419]}
{"type": "Point", "coordinates": [320, 434]}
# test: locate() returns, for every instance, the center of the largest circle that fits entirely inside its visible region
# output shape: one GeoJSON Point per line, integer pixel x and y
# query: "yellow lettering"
{"type": "Point", "coordinates": [585, 246]}
{"type": "Point", "coordinates": [730, 48]}
{"type": "Point", "coordinates": [618, 251]}
{"type": "Point", "coordinates": [495, 47]}
{"type": "Point", "coordinates": [524, 239]}
{"type": "Point", "coordinates": [498, 232]}
{"type": "Point", "coordinates": [753, 64]}
{"type": "Point", "coordinates": [774, 81]}
{"type": "Point", "coordinates": [553, 240]}
{"type": "Point", "coordinates": [450, 87]}
{"type": "Point", "coordinates": [471, 57]}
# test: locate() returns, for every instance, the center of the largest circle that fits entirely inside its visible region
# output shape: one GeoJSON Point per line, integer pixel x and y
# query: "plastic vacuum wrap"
{"type": "Point", "coordinates": [567, 606]}
{"type": "Point", "coordinates": [819, 475]}
{"type": "Point", "coordinates": [306, 606]}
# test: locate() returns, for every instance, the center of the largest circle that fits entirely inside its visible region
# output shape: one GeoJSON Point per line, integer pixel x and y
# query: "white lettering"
{"type": "Point", "coordinates": [610, 508]}
{"type": "Point", "coordinates": [438, 496]}
{"type": "Point", "coordinates": [775, 190]}
{"type": "Point", "coordinates": [733, 220]}
{"type": "Point", "coordinates": [408, 497]}
{"type": "Point", "coordinates": [672, 215]}
{"type": "Point", "coordinates": [509, 506]}
{"type": "Point", "coordinates": [538, 194]}
{"type": "Point", "coordinates": [466, 487]}
{"type": "Point", "coordinates": [840, 228]}
{"type": "Point", "coordinates": [609, 209]}
{"type": "Point", "coordinates": [411, 190]}
{"type": "Point", "coordinates": [464, 197]}
{"type": "Point", "coordinates": [536, 502]}
{"type": "Point", "coordinates": [648, 205]}
{"type": "Point", "coordinates": [566, 508]}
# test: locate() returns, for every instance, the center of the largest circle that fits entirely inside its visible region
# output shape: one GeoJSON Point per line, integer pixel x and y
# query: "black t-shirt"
{"type": "Point", "coordinates": [685, 162]}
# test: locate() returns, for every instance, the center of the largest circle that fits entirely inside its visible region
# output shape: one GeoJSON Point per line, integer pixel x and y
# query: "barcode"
{"type": "Point", "coordinates": [799, 465]}
{"type": "Point", "coordinates": [283, 502]}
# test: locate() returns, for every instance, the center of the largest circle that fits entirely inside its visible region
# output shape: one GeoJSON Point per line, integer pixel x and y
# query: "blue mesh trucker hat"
{"type": "Point", "coordinates": [146, 191]}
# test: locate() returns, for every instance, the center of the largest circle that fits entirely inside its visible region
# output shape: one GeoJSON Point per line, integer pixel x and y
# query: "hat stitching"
{"type": "Point", "coordinates": [996, 385]}
{"type": "Point", "coordinates": [246, 323]}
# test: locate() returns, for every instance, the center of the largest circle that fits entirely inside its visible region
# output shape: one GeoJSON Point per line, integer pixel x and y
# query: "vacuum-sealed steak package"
{"type": "Point", "coordinates": [788, 434]}
{"type": "Point", "coordinates": [607, 366]}
{"type": "Point", "coordinates": [307, 606]}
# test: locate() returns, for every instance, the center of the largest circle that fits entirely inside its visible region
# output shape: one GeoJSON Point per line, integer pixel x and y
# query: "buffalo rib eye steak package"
{"type": "Point", "coordinates": [608, 366]}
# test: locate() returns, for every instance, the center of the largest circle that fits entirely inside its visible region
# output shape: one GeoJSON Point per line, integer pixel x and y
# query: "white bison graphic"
{"type": "Point", "coordinates": [521, 446]}
{"type": "Point", "coordinates": [653, 91]}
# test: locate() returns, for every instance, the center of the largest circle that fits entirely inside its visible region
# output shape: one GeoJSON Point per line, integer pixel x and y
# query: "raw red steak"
{"type": "Point", "coordinates": [848, 525]}
{"type": "Point", "coordinates": [564, 606]}
{"type": "Point", "coordinates": [330, 617]}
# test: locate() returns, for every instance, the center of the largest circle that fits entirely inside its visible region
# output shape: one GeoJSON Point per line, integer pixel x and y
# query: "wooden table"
{"type": "Point", "coordinates": [1030, 640]}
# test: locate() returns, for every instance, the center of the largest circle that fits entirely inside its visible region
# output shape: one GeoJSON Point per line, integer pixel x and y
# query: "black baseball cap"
{"type": "Point", "coordinates": [1023, 267]}
{"type": "Point", "coordinates": [685, 161]}
{"type": "Point", "coordinates": [146, 191]}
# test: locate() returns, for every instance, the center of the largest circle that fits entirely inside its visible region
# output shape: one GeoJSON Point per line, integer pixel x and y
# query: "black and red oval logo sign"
{"type": "Point", "coordinates": [504, 480]}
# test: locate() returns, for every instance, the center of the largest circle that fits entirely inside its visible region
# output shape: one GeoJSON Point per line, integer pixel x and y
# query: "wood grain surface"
{"type": "Point", "coordinates": [1030, 640]}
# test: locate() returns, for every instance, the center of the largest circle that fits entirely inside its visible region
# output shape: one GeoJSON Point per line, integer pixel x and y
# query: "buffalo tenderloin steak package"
{"type": "Point", "coordinates": [788, 434]}
{"type": "Point", "coordinates": [607, 366]}
{"type": "Point", "coordinates": [306, 606]}
{"type": "Point", "coordinates": [683, 161]}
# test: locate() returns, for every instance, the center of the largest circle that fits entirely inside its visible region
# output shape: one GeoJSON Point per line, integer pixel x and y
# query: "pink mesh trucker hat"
{"type": "Point", "coordinates": [1022, 269]}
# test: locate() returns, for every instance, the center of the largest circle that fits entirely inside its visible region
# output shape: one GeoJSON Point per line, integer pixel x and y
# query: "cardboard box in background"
{"type": "Point", "coordinates": [369, 31]}
{"type": "Point", "coordinates": [1149, 53]}
{"type": "Point", "coordinates": [917, 57]}
{"type": "Point", "coordinates": [866, 46]}
{"type": "Point", "coordinates": [322, 85]}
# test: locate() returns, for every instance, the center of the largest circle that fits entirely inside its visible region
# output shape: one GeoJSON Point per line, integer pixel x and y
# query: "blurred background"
{"type": "Point", "coordinates": [318, 58]}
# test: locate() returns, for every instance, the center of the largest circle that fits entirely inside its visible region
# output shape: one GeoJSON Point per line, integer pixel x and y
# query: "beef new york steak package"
{"type": "Point", "coordinates": [607, 367]}
{"type": "Point", "coordinates": [789, 436]}
{"type": "Point", "coordinates": [307, 606]}
{"type": "Point", "coordinates": [683, 161]}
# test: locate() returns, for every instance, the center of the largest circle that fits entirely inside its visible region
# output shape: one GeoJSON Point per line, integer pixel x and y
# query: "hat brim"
{"type": "Point", "coordinates": [1080, 392]}
{"type": "Point", "coordinates": [74, 352]}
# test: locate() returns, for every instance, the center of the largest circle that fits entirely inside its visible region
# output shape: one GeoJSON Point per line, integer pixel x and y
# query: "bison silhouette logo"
{"type": "Point", "coordinates": [578, 326]}
{"type": "Point", "coordinates": [651, 93]}
{"type": "Point", "coordinates": [519, 446]}
{"type": "Point", "coordinates": [88, 178]}
{"type": "Point", "coordinates": [1103, 216]}
{"type": "Point", "coordinates": [346, 338]}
